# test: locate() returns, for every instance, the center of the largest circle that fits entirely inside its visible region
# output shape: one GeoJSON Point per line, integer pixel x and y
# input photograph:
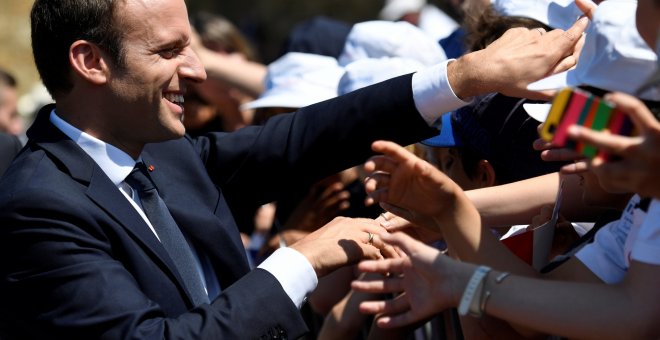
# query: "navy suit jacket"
{"type": "Point", "coordinates": [9, 147]}
{"type": "Point", "coordinates": [77, 261]}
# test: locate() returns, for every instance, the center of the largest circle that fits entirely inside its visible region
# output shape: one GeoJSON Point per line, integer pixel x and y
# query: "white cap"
{"type": "Point", "coordinates": [538, 111]}
{"type": "Point", "coordinates": [365, 72]}
{"type": "Point", "coordinates": [614, 56]}
{"type": "Point", "coordinates": [381, 39]}
{"type": "Point", "coordinates": [554, 13]}
{"type": "Point", "coordinates": [297, 80]}
{"type": "Point", "coordinates": [395, 9]}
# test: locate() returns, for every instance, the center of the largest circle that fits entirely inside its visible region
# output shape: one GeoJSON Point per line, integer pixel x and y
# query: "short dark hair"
{"type": "Point", "coordinates": [57, 24]}
{"type": "Point", "coordinates": [485, 26]}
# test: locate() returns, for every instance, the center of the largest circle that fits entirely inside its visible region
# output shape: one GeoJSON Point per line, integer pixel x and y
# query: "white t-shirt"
{"type": "Point", "coordinates": [635, 236]}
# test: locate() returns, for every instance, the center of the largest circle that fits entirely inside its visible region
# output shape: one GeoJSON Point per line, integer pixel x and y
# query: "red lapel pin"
{"type": "Point", "coordinates": [151, 168]}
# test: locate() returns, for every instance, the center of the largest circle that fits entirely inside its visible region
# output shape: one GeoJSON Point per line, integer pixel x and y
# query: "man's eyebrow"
{"type": "Point", "coordinates": [180, 42]}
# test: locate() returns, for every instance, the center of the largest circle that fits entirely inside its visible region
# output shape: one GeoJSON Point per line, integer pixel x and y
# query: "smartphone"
{"type": "Point", "coordinates": [575, 106]}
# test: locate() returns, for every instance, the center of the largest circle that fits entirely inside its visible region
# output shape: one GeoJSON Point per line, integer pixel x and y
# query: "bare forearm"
{"type": "Point", "coordinates": [469, 241]}
{"type": "Point", "coordinates": [243, 74]}
{"type": "Point", "coordinates": [514, 203]}
{"type": "Point", "coordinates": [570, 309]}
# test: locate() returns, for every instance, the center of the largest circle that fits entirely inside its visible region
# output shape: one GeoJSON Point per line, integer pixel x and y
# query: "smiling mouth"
{"type": "Point", "coordinates": [175, 98]}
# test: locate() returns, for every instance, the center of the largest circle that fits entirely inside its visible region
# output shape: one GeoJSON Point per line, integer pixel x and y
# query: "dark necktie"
{"type": "Point", "coordinates": [168, 232]}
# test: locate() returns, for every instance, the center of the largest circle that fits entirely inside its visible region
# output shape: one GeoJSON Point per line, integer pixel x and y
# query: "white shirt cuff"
{"type": "Point", "coordinates": [433, 94]}
{"type": "Point", "coordinates": [294, 273]}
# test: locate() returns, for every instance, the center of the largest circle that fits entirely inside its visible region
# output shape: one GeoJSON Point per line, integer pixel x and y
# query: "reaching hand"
{"type": "Point", "coordinates": [635, 168]}
{"type": "Point", "coordinates": [394, 223]}
{"type": "Point", "coordinates": [409, 187]}
{"type": "Point", "coordinates": [429, 282]}
{"type": "Point", "coordinates": [518, 58]}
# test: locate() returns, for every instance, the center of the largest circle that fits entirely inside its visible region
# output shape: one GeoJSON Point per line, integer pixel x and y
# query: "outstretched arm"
{"type": "Point", "coordinates": [432, 282]}
{"type": "Point", "coordinates": [415, 190]}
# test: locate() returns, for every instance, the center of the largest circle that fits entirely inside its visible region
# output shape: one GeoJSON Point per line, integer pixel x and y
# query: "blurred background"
{"type": "Point", "coordinates": [265, 22]}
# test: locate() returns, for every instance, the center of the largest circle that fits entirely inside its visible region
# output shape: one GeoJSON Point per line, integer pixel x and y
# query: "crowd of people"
{"type": "Point", "coordinates": [379, 180]}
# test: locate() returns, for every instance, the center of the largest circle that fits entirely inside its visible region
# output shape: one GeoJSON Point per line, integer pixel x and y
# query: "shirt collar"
{"type": "Point", "coordinates": [116, 164]}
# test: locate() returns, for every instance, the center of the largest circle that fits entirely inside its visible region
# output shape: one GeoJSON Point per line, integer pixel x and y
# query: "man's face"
{"type": "Point", "coordinates": [158, 65]}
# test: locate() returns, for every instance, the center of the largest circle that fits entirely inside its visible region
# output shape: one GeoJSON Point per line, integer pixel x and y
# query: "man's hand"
{"type": "Point", "coordinates": [341, 242]}
{"type": "Point", "coordinates": [518, 58]}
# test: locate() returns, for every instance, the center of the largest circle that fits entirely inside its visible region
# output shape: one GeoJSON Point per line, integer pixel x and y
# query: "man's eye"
{"type": "Point", "coordinates": [169, 54]}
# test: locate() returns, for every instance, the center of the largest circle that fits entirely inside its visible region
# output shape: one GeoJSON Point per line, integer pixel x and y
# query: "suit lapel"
{"type": "Point", "coordinates": [192, 200]}
{"type": "Point", "coordinates": [100, 189]}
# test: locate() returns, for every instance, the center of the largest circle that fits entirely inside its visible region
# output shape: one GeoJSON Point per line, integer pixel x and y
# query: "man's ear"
{"type": "Point", "coordinates": [88, 62]}
{"type": "Point", "coordinates": [486, 174]}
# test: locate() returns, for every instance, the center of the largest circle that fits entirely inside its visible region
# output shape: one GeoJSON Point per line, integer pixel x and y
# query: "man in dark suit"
{"type": "Point", "coordinates": [83, 255]}
{"type": "Point", "coordinates": [10, 145]}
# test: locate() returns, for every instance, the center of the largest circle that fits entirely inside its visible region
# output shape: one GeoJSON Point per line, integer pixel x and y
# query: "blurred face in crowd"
{"type": "Point", "coordinates": [160, 63]}
{"type": "Point", "coordinates": [648, 21]}
{"type": "Point", "coordinates": [8, 115]}
{"type": "Point", "coordinates": [450, 162]}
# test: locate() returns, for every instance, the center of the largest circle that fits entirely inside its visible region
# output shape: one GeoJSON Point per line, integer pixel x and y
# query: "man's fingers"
{"type": "Point", "coordinates": [587, 7]}
{"type": "Point", "coordinates": [567, 39]}
{"type": "Point", "coordinates": [564, 64]}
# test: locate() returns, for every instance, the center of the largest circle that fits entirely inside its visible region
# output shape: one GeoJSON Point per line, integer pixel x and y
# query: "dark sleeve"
{"type": "Point", "coordinates": [303, 147]}
{"type": "Point", "coordinates": [65, 276]}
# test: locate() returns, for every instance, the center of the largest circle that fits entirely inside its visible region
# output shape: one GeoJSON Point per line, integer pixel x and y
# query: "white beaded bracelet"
{"type": "Point", "coordinates": [471, 299]}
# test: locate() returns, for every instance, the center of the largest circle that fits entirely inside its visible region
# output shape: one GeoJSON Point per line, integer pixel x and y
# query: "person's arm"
{"type": "Point", "coordinates": [234, 70]}
{"type": "Point", "coordinates": [415, 190]}
{"type": "Point", "coordinates": [433, 282]}
{"type": "Point", "coordinates": [518, 202]}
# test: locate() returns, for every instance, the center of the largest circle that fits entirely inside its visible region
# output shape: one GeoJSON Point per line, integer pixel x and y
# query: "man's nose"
{"type": "Point", "coordinates": [192, 68]}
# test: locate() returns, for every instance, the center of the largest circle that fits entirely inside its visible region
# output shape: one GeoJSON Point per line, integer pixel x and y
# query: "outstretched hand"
{"type": "Point", "coordinates": [518, 58]}
{"type": "Point", "coordinates": [408, 186]}
{"type": "Point", "coordinates": [429, 282]}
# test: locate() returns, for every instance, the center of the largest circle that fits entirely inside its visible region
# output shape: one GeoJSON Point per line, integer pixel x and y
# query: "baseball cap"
{"type": "Point", "coordinates": [614, 56]}
{"type": "Point", "coordinates": [498, 128]}
{"type": "Point", "coordinates": [318, 35]}
{"type": "Point", "coordinates": [554, 13]}
{"type": "Point", "coordinates": [297, 80]}
{"type": "Point", "coordinates": [365, 72]}
{"type": "Point", "coordinates": [395, 9]}
{"type": "Point", "coordinates": [386, 39]}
